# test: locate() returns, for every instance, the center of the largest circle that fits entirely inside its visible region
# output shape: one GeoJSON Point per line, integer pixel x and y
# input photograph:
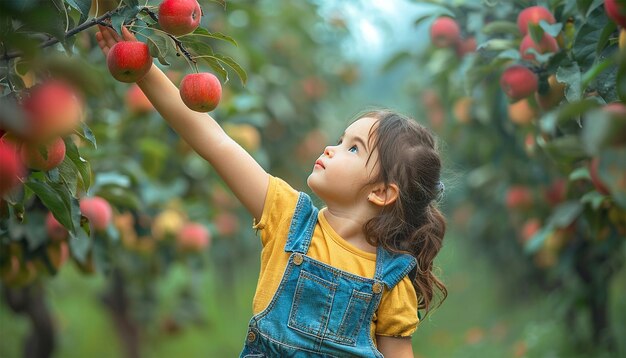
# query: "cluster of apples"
{"type": "Point", "coordinates": [518, 81]}
{"type": "Point", "coordinates": [130, 61]}
{"type": "Point", "coordinates": [446, 33]}
{"type": "Point", "coordinates": [169, 225]}
{"type": "Point", "coordinates": [52, 109]}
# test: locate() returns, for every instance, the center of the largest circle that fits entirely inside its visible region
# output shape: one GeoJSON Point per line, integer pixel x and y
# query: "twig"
{"type": "Point", "coordinates": [85, 25]}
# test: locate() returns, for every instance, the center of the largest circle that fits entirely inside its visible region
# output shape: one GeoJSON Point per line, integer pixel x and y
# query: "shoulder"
{"type": "Point", "coordinates": [397, 313]}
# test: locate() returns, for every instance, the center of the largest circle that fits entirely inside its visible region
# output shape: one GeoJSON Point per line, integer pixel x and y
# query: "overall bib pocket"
{"type": "Point", "coordinates": [312, 302]}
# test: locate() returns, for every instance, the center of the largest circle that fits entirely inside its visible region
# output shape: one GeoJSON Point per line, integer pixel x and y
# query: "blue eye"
{"type": "Point", "coordinates": [353, 149]}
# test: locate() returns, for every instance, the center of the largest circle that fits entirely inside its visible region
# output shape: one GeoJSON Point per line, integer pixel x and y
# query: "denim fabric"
{"type": "Point", "coordinates": [319, 310]}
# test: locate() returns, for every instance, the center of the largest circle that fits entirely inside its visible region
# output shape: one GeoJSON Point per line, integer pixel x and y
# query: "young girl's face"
{"type": "Point", "coordinates": [342, 173]}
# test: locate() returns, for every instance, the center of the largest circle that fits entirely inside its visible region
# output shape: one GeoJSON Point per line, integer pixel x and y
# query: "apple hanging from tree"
{"type": "Point", "coordinates": [518, 82]}
{"type": "Point", "coordinates": [201, 92]}
{"type": "Point", "coordinates": [98, 211]}
{"type": "Point", "coordinates": [533, 15]}
{"type": "Point", "coordinates": [43, 156]}
{"type": "Point", "coordinates": [546, 45]}
{"type": "Point", "coordinates": [11, 167]}
{"type": "Point", "coordinates": [616, 11]}
{"type": "Point", "coordinates": [129, 61]}
{"type": "Point", "coordinates": [445, 32]}
{"type": "Point", "coordinates": [193, 237]}
{"type": "Point", "coordinates": [53, 108]}
{"type": "Point", "coordinates": [179, 17]}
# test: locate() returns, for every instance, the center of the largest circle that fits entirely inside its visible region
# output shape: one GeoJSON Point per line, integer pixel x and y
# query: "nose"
{"type": "Point", "coordinates": [328, 151]}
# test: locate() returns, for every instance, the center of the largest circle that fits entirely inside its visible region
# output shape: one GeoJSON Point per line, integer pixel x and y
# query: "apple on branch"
{"type": "Point", "coordinates": [201, 92]}
{"type": "Point", "coordinates": [179, 17]}
{"type": "Point", "coordinates": [518, 81]}
{"type": "Point", "coordinates": [129, 61]}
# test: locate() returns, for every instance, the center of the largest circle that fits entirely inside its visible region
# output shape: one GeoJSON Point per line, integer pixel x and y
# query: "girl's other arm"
{"type": "Point", "coordinates": [395, 347]}
{"type": "Point", "coordinates": [245, 177]}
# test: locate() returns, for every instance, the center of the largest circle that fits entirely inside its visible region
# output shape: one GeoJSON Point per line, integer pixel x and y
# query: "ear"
{"type": "Point", "coordinates": [382, 195]}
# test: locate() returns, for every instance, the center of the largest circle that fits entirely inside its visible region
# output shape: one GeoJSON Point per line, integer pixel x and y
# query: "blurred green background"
{"type": "Point", "coordinates": [533, 256]}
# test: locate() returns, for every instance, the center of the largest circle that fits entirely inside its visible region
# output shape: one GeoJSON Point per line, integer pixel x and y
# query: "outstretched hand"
{"type": "Point", "coordinates": [107, 37]}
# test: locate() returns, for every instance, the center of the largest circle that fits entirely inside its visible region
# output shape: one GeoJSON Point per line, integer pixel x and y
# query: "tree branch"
{"type": "Point", "coordinates": [85, 25]}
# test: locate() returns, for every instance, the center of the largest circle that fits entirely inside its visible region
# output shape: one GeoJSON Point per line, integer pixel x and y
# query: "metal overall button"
{"type": "Point", "coordinates": [251, 337]}
{"type": "Point", "coordinates": [377, 287]}
{"type": "Point", "coordinates": [297, 259]}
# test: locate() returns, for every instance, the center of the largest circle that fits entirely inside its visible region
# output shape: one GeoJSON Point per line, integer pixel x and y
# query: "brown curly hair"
{"type": "Point", "coordinates": [408, 157]}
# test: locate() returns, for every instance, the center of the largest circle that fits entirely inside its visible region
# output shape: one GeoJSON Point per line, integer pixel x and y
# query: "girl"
{"type": "Point", "coordinates": [346, 280]}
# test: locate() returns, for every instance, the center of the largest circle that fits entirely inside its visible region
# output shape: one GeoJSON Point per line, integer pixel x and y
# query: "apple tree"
{"type": "Point", "coordinates": [530, 98]}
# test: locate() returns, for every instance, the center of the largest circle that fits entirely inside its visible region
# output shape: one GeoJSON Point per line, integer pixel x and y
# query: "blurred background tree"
{"type": "Point", "coordinates": [162, 253]}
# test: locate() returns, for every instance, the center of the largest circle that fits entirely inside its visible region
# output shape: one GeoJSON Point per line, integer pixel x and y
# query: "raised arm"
{"type": "Point", "coordinates": [245, 177]}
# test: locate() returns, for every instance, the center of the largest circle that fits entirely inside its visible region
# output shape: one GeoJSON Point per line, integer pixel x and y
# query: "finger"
{"type": "Point", "coordinates": [128, 36]}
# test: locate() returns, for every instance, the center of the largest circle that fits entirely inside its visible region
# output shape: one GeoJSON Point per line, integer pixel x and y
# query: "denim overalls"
{"type": "Point", "coordinates": [318, 310]}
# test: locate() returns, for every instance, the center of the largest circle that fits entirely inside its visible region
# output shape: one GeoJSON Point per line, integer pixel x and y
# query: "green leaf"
{"type": "Point", "coordinates": [497, 45]}
{"type": "Point", "coordinates": [612, 172]}
{"type": "Point", "coordinates": [80, 245]}
{"type": "Point", "coordinates": [605, 36]}
{"type": "Point", "coordinates": [83, 167]}
{"type": "Point", "coordinates": [127, 14]}
{"type": "Point", "coordinates": [501, 27]}
{"type": "Point", "coordinates": [53, 201]}
{"type": "Point", "coordinates": [83, 7]}
{"type": "Point", "coordinates": [551, 29]}
{"type": "Point", "coordinates": [594, 199]}
{"type": "Point", "coordinates": [565, 214]}
{"type": "Point", "coordinates": [595, 71]}
{"type": "Point", "coordinates": [566, 113]}
{"type": "Point", "coordinates": [87, 135]}
{"type": "Point", "coordinates": [536, 241]}
{"type": "Point", "coordinates": [395, 60]}
{"type": "Point", "coordinates": [203, 33]}
{"type": "Point", "coordinates": [581, 173]}
{"type": "Point", "coordinates": [243, 76]}
{"type": "Point", "coordinates": [160, 47]}
{"type": "Point", "coordinates": [131, 3]}
{"type": "Point", "coordinates": [536, 32]}
{"type": "Point", "coordinates": [564, 150]}
{"type": "Point", "coordinates": [571, 76]}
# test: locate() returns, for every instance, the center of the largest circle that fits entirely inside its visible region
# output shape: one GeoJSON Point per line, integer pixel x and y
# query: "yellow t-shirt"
{"type": "Point", "coordinates": [397, 313]}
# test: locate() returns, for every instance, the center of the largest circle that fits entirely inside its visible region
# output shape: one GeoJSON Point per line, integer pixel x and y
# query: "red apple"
{"type": "Point", "coordinates": [43, 157]}
{"type": "Point", "coordinates": [179, 17]}
{"type": "Point", "coordinates": [11, 167]}
{"type": "Point", "coordinates": [56, 231]}
{"type": "Point", "coordinates": [466, 46]}
{"type": "Point", "coordinates": [445, 32]}
{"type": "Point", "coordinates": [595, 177]}
{"type": "Point", "coordinates": [98, 211]}
{"type": "Point", "coordinates": [556, 192]}
{"type": "Point", "coordinates": [547, 45]}
{"type": "Point", "coordinates": [201, 92]}
{"type": "Point", "coordinates": [519, 197]}
{"type": "Point", "coordinates": [530, 228]}
{"type": "Point", "coordinates": [518, 82]}
{"type": "Point", "coordinates": [226, 223]}
{"type": "Point", "coordinates": [129, 61]}
{"type": "Point", "coordinates": [137, 102]}
{"type": "Point", "coordinates": [533, 15]}
{"type": "Point", "coordinates": [193, 237]}
{"type": "Point", "coordinates": [616, 11]}
{"type": "Point", "coordinates": [53, 109]}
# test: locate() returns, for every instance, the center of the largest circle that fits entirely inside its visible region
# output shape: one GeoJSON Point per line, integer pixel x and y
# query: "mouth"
{"type": "Point", "coordinates": [318, 163]}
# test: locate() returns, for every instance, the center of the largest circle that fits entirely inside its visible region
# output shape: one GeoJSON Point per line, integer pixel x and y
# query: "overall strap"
{"type": "Point", "coordinates": [302, 225]}
{"type": "Point", "coordinates": [392, 267]}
